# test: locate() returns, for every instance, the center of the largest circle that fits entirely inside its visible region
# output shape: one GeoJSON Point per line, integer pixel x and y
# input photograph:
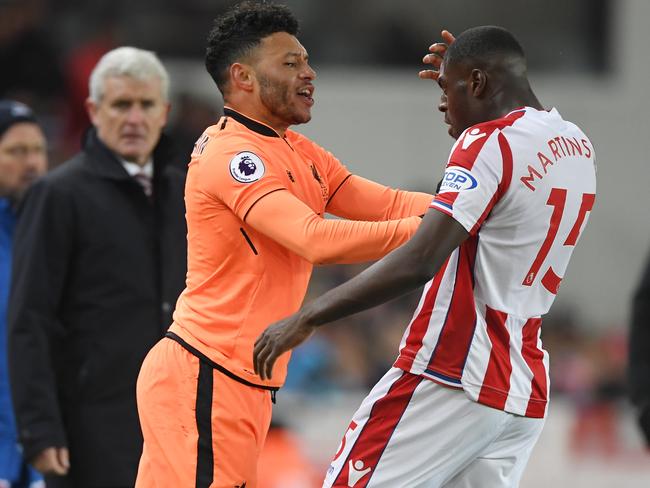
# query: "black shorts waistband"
{"type": "Point", "coordinates": [202, 357]}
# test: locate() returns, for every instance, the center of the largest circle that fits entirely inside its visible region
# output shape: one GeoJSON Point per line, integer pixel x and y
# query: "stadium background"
{"type": "Point", "coordinates": [587, 57]}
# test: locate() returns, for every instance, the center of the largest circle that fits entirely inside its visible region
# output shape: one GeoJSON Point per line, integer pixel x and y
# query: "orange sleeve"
{"type": "Point", "coordinates": [331, 168]}
{"type": "Point", "coordinates": [290, 222]}
{"type": "Point", "coordinates": [238, 175]}
{"type": "Point", "coordinates": [361, 199]}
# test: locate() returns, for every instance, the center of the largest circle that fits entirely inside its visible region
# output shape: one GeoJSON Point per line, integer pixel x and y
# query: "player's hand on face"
{"type": "Point", "coordinates": [434, 58]}
{"type": "Point", "coordinates": [277, 339]}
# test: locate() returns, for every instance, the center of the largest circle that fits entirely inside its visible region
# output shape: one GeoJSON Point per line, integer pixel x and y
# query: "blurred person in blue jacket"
{"type": "Point", "coordinates": [23, 158]}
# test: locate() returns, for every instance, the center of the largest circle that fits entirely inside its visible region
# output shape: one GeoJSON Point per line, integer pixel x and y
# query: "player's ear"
{"type": "Point", "coordinates": [242, 76]}
{"type": "Point", "coordinates": [478, 82]}
{"type": "Point", "coordinates": [92, 108]}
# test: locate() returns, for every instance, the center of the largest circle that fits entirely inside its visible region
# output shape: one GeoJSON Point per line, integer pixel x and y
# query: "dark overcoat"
{"type": "Point", "coordinates": [97, 269]}
{"type": "Point", "coordinates": [639, 352]}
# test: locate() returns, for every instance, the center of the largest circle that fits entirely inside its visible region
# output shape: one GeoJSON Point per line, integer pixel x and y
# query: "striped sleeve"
{"type": "Point", "coordinates": [476, 176]}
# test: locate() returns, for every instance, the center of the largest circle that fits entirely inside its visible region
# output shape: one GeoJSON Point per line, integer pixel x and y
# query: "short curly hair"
{"type": "Point", "coordinates": [239, 30]}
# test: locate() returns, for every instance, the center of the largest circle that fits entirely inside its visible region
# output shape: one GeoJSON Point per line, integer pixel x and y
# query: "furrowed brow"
{"type": "Point", "coordinates": [298, 55]}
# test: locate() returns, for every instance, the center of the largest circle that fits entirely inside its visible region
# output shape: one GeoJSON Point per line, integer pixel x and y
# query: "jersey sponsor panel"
{"type": "Point", "coordinates": [485, 333]}
{"type": "Point", "coordinates": [473, 183]}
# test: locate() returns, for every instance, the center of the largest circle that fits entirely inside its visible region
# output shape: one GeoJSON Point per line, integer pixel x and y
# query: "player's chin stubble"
{"type": "Point", "coordinates": [277, 97]}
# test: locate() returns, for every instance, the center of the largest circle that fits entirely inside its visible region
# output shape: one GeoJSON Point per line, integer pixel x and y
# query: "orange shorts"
{"type": "Point", "coordinates": [202, 427]}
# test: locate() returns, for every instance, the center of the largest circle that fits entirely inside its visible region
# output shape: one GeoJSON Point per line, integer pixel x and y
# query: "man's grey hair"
{"type": "Point", "coordinates": [127, 61]}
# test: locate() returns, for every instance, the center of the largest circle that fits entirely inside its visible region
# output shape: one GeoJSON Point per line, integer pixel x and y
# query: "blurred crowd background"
{"type": "Point", "coordinates": [49, 47]}
{"type": "Point", "coordinates": [587, 57]}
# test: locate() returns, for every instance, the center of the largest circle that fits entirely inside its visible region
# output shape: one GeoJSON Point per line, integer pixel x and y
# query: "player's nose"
{"type": "Point", "coordinates": [308, 73]}
{"type": "Point", "coordinates": [442, 106]}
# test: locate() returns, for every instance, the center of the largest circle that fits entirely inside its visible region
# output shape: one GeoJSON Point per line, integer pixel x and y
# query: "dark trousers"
{"type": "Point", "coordinates": [66, 482]}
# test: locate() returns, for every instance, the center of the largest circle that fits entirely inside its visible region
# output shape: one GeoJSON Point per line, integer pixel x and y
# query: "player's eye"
{"type": "Point", "coordinates": [17, 151]}
{"type": "Point", "coordinates": [291, 65]}
{"type": "Point", "coordinates": [122, 104]}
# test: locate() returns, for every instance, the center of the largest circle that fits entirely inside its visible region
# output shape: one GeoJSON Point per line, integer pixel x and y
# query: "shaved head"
{"type": "Point", "coordinates": [480, 45]}
{"type": "Point", "coordinates": [483, 76]}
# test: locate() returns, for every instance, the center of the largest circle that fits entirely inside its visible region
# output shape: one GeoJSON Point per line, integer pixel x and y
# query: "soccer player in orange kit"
{"type": "Point", "coordinates": [256, 195]}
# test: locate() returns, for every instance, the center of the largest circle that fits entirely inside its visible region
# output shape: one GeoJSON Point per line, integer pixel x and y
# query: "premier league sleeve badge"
{"type": "Point", "coordinates": [246, 167]}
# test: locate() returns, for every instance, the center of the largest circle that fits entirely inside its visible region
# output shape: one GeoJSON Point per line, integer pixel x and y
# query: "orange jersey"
{"type": "Point", "coordinates": [255, 203]}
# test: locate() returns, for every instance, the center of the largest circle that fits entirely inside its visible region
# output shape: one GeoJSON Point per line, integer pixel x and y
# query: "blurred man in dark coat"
{"type": "Point", "coordinates": [639, 359]}
{"type": "Point", "coordinates": [99, 261]}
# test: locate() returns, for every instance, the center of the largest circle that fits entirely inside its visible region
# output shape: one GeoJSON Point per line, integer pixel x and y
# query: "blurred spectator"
{"type": "Point", "coordinates": [595, 431]}
{"type": "Point", "coordinates": [283, 464]}
{"type": "Point", "coordinates": [23, 158]}
{"type": "Point", "coordinates": [191, 116]}
{"type": "Point", "coordinates": [310, 368]}
{"type": "Point", "coordinates": [79, 63]}
{"type": "Point", "coordinates": [30, 61]}
{"type": "Point", "coordinates": [31, 65]}
{"type": "Point", "coordinates": [99, 261]}
{"type": "Point", "coordinates": [639, 357]}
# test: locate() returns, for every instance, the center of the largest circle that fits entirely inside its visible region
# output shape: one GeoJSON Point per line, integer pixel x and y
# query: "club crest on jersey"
{"type": "Point", "coordinates": [356, 471]}
{"type": "Point", "coordinates": [457, 179]}
{"type": "Point", "coordinates": [246, 167]}
{"type": "Point", "coordinates": [472, 136]}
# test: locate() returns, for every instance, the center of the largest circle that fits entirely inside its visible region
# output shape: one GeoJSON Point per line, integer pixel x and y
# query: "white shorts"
{"type": "Point", "coordinates": [411, 432]}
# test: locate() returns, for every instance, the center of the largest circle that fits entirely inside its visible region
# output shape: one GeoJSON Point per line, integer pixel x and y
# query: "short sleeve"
{"type": "Point", "coordinates": [474, 177]}
{"type": "Point", "coordinates": [238, 176]}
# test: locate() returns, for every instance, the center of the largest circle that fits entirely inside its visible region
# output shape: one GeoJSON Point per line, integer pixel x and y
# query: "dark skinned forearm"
{"type": "Point", "coordinates": [400, 272]}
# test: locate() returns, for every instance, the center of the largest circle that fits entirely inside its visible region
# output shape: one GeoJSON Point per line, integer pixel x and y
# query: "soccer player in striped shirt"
{"type": "Point", "coordinates": [466, 399]}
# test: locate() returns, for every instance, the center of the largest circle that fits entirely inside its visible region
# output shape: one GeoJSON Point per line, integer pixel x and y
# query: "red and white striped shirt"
{"type": "Point", "coordinates": [523, 187]}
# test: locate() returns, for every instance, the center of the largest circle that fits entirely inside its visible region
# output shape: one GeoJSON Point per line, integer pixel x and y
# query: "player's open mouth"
{"type": "Point", "coordinates": [307, 93]}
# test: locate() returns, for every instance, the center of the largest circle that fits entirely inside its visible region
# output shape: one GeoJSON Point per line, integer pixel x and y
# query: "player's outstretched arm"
{"type": "Point", "coordinates": [293, 224]}
{"type": "Point", "coordinates": [401, 271]}
{"type": "Point", "coordinates": [434, 58]}
{"type": "Point", "coordinates": [361, 199]}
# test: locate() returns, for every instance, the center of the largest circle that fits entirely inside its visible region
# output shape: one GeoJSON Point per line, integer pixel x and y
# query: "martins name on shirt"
{"type": "Point", "coordinates": [559, 147]}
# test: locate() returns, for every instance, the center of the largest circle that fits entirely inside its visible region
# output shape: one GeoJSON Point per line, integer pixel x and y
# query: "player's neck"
{"type": "Point", "coordinates": [510, 98]}
{"type": "Point", "coordinates": [258, 113]}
